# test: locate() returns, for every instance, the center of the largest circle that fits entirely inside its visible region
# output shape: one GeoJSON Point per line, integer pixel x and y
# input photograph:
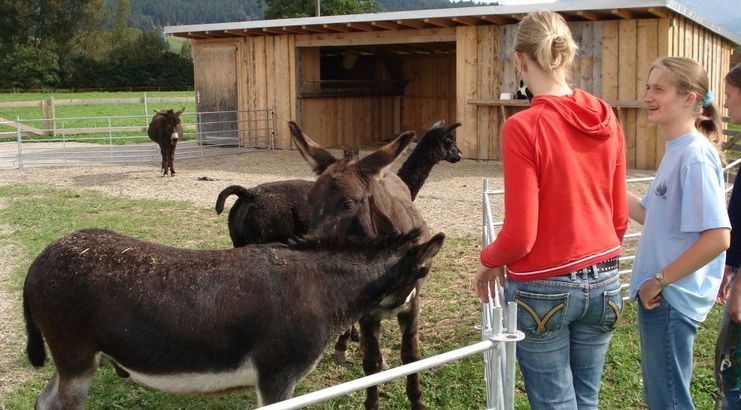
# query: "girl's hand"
{"type": "Point", "coordinates": [650, 294]}
{"type": "Point", "coordinates": [725, 286]}
{"type": "Point", "coordinates": [483, 276]}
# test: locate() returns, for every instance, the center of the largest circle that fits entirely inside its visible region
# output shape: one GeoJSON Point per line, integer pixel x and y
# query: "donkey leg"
{"type": "Point", "coordinates": [410, 350]}
{"type": "Point", "coordinates": [372, 360]}
{"type": "Point", "coordinates": [172, 161]}
{"type": "Point", "coordinates": [164, 159]}
{"type": "Point", "coordinates": [274, 389]}
{"type": "Point", "coordinates": [340, 347]}
{"type": "Point", "coordinates": [65, 392]}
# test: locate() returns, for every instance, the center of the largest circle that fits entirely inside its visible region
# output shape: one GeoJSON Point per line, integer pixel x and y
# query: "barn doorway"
{"type": "Point", "coordinates": [363, 96]}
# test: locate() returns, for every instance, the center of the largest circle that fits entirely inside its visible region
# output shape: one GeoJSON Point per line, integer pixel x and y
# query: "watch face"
{"type": "Point", "coordinates": [659, 275]}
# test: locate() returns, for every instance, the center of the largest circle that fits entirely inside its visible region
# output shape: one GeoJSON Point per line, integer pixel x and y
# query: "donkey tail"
{"type": "Point", "coordinates": [240, 191]}
{"type": "Point", "coordinates": [35, 344]}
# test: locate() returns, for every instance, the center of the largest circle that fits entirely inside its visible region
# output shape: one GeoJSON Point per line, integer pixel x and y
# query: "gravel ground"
{"type": "Point", "coordinates": [450, 200]}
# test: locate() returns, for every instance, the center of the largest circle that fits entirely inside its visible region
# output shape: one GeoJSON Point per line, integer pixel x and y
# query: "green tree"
{"type": "Point", "coordinates": [275, 9]}
{"type": "Point", "coordinates": [28, 66]}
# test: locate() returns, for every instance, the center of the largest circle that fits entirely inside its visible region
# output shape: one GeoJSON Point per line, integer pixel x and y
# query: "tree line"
{"type": "Point", "coordinates": [119, 43]}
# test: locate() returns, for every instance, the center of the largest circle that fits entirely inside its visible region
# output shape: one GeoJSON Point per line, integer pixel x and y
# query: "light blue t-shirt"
{"type": "Point", "coordinates": [686, 198]}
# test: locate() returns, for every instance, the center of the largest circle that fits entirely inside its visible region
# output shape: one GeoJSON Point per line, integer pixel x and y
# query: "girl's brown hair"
{"type": "Point", "coordinates": [734, 76]}
{"type": "Point", "coordinates": [690, 77]}
{"type": "Point", "coordinates": [545, 37]}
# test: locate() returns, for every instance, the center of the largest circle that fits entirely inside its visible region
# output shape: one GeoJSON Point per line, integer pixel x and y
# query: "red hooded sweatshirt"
{"type": "Point", "coordinates": [565, 193]}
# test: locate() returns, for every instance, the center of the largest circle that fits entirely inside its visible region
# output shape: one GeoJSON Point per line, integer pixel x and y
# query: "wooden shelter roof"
{"type": "Point", "coordinates": [577, 10]}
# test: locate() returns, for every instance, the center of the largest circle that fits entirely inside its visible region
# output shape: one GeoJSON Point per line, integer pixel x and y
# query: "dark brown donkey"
{"type": "Point", "coordinates": [359, 197]}
{"type": "Point", "coordinates": [165, 130]}
{"type": "Point", "coordinates": [183, 320]}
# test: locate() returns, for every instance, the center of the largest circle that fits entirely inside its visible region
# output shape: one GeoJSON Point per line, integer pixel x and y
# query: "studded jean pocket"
{"type": "Point", "coordinates": [538, 315]}
{"type": "Point", "coordinates": [612, 308]}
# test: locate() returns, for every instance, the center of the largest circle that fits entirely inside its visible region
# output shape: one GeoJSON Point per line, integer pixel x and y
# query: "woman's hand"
{"type": "Point", "coordinates": [734, 301]}
{"type": "Point", "coordinates": [725, 286]}
{"type": "Point", "coordinates": [483, 276]}
{"type": "Point", "coordinates": [650, 294]}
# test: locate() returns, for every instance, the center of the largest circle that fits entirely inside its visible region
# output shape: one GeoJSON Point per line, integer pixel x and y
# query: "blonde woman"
{"type": "Point", "coordinates": [679, 262]}
{"type": "Point", "coordinates": [565, 216]}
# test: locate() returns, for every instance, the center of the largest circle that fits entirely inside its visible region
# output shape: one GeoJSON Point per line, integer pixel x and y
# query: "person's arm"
{"type": "Point", "coordinates": [521, 207]}
{"type": "Point", "coordinates": [709, 245]}
{"type": "Point", "coordinates": [636, 211]}
{"type": "Point", "coordinates": [620, 190]}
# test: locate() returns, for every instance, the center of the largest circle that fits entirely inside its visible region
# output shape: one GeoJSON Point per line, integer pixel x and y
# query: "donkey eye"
{"type": "Point", "coordinates": [347, 204]}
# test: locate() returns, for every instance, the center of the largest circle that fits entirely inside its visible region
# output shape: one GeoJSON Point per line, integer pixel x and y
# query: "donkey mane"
{"type": "Point", "coordinates": [354, 243]}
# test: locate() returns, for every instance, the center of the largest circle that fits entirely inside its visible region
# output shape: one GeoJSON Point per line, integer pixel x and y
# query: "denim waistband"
{"type": "Point", "coordinates": [595, 270]}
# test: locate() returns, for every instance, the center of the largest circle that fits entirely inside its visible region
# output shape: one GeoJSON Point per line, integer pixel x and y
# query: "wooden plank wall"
{"type": "Point", "coordinates": [345, 122]}
{"type": "Point", "coordinates": [266, 81]}
{"type": "Point", "coordinates": [477, 74]}
{"type": "Point", "coordinates": [614, 59]}
{"type": "Point", "coordinates": [430, 94]}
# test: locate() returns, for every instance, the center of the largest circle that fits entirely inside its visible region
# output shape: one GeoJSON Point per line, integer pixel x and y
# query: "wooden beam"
{"type": "Point", "coordinates": [196, 35]}
{"type": "Point", "coordinates": [272, 30]}
{"type": "Point", "coordinates": [237, 33]}
{"type": "Point", "coordinates": [314, 29]}
{"type": "Point", "coordinates": [293, 30]}
{"type": "Point", "coordinates": [337, 28]}
{"type": "Point", "coordinates": [425, 35]}
{"type": "Point", "coordinates": [414, 23]}
{"type": "Point", "coordinates": [439, 22]}
{"type": "Point", "coordinates": [517, 17]}
{"type": "Point", "coordinates": [499, 20]}
{"type": "Point", "coordinates": [658, 12]}
{"type": "Point", "coordinates": [589, 15]}
{"type": "Point", "coordinates": [361, 26]}
{"type": "Point", "coordinates": [623, 14]}
{"type": "Point", "coordinates": [385, 25]}
{"type": "Point", "coordinates": [467, 21]}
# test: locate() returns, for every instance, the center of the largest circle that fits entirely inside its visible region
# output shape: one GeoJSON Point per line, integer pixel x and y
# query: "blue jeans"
{"type": "Point", "coordinates": [568, 322]}
{"type": "Point", "coordinates": [667, 339]}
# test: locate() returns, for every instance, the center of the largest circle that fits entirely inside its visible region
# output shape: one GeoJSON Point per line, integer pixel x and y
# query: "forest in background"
{"type": "Point", "coordinates": [118, 44]}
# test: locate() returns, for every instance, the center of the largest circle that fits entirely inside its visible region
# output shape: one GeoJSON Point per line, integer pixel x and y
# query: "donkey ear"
{"type": "Point", "coordinates": [159, 112]}
{"type": "Point", "coordinates": [375, 163]}
{"type": "Point", "coordinates": [316, 156]}
{"type": "Point", "coordinates": [180, 111]}
{"type": "Point", "coordinates": [428, 250]}
{"type": "Point", "coordinates": [453, 126]}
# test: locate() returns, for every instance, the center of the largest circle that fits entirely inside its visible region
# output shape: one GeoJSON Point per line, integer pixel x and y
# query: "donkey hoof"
{"type": "Point", "coordinates": [384, 365]}
{"type": "Point", "coordinates": [340, 357]}
{"type": "Point", "coordinates": [419, 406]}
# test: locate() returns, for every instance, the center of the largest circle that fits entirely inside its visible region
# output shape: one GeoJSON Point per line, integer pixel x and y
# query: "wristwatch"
{"type": "Point", "coordinates": [660, 277]}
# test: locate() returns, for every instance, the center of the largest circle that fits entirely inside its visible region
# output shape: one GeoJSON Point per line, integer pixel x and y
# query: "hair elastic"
{"type": "Point", "coordinates": [708, 98]}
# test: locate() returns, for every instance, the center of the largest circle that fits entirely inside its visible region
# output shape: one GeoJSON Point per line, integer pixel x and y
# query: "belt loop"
{"type": "Point", "coordinates": [573, 275]}
{"type": "Point", "coordinates": [595, 271]}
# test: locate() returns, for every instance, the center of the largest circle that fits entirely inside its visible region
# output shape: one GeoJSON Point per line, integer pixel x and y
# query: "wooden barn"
{"type": "Point", "coordinates": [359, 80]}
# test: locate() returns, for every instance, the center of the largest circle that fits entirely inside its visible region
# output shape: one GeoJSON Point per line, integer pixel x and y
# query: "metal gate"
{"type": "Point", "coordinates": [124, 139]}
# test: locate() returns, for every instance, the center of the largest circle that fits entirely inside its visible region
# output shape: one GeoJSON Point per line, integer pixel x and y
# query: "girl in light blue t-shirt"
{"type": "Point", "coordinates": [679, 262]}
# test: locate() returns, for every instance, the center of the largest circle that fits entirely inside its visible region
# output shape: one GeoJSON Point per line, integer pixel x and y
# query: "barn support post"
{"type": "Point", "coordinates": [19, 138]}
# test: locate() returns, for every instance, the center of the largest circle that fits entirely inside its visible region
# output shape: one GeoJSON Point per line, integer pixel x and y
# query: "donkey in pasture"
{"type": "Point", "coordinates": [358, 197]}
{"type": "Point", "coordinates": [200, 321]}
{"type": "Point", "coordinates": [278, 211]}
{"type": "Point", "coordinates": [165, 130]}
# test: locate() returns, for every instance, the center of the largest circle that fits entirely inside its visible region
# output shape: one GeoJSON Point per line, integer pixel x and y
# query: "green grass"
{"type": "Point", "coordinates": [33, 215]}
{"type": "Point", "coordinates": [88, 116]}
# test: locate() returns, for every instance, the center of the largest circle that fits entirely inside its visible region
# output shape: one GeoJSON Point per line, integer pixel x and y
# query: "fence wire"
{"type": "Point", "coordinates": [124, 139]}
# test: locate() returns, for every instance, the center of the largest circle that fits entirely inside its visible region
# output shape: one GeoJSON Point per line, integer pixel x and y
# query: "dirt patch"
{"type": "Point", "coordinates": [11, 336]}
{"type": "Point", "coordinates": [450, 200]}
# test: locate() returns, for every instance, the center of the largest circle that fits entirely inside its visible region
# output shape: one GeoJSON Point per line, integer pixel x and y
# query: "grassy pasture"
{"type": "Point", "coordinates": [89, 116]}
{"type": "Point", "coordinates": [33, 215]}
